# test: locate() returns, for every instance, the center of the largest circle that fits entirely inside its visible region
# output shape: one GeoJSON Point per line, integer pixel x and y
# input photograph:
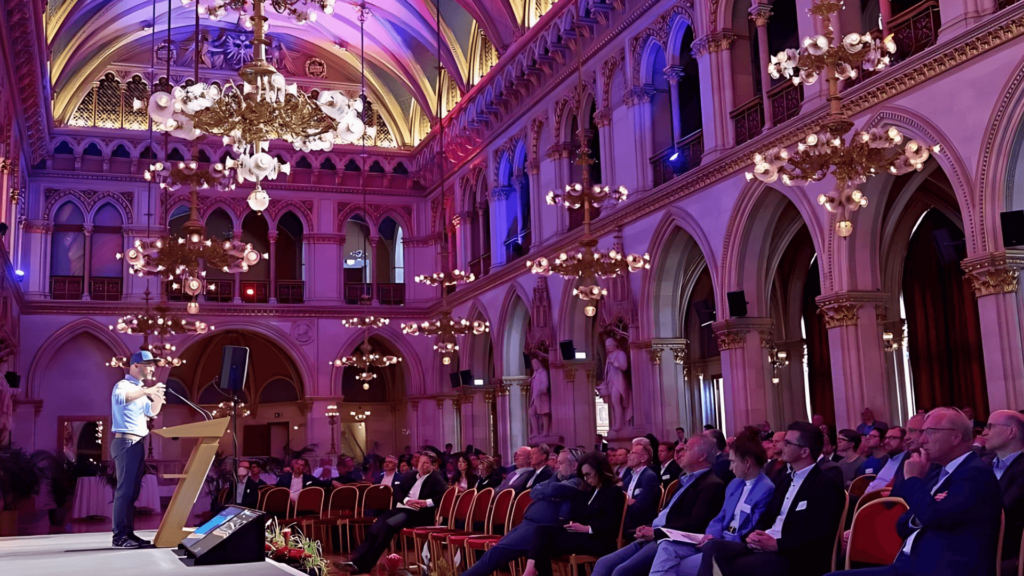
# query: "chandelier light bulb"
{"type": "Point", "coordinates": [192, 307]}
{"type": "Point", "coordinates": [590, 310]}
{"type": "Point", "coordinates": [844, 228]}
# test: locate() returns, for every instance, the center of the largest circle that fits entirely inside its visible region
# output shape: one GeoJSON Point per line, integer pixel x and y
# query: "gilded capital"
{"type": "Point", "coordinates": [655, 354]}
{"type": "Point", "coordinates": [760, 13]}
{"type": "Point", "coordinates": [995, 273]}
{"type": "Point", "coordinates": [838, 315]}
{"type": "Point", "coordinates": [731, 339]}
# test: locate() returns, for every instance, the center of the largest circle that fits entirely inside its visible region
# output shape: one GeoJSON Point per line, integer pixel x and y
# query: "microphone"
{"type": "Point", "coordinates": [206, 415]}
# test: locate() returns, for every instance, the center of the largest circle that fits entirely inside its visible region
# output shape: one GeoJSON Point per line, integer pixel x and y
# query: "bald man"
{"type": "Point", "coordinates": [1004, 436]}
{"type": "Point", "coordinates": [952, 526]}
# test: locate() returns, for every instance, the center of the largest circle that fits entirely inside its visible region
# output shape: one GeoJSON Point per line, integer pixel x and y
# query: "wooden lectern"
{"type": "Point", "coordinates": [172, 527]}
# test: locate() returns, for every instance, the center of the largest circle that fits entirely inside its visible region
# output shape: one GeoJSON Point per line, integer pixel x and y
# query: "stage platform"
{"type": "Point", "coordinates": [91, 554]}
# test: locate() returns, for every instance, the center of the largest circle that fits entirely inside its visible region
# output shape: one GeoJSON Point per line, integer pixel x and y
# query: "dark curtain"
{"type": "Point", "coordinates": [819, 362]}
{"type": "Point", "coordinates": [942, 320]}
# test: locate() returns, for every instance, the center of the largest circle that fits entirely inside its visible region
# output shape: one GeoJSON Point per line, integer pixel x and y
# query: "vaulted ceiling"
{"type": "Point", "coordinates": [88, 38]}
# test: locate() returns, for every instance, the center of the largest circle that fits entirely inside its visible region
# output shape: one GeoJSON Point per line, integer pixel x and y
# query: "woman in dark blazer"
{"type": "Point", "coordinates": [594, 522]}
{"type": "Point", "coordinates": [464, 478]}
{"type": "Point", "coordinates": [488, 474]}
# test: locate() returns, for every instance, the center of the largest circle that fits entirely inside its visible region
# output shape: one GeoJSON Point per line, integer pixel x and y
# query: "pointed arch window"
{"type": "Point", "coordinates": [67, 253]}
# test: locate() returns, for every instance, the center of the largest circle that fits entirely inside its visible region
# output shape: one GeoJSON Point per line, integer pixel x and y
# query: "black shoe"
{"type": "Point", "coordinates": [347, 567]}
{"type": "Point", "coordinates": [142, 543]}
{"type": "Point", "coordinates": [126, 543]}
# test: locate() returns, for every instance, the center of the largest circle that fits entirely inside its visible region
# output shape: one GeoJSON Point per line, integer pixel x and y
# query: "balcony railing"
{"type": "Point", "coordinates": [785, 101]}
{"type": "Point", "coordinates": [66, 287]}
{"type": "Point", "coordinates": [220, 290]}
{"type": "Point", "coordinates": [391, 294]}
{"type": "Point", "coordinates": [291, 291]}
{"type": "Point", "coordinates": [255, 291]}
{"type": "Point", "coordinates": [690, 150]}
{"type": "Point", "coordinates": [105, 289]}
{"type": "Point", "coordinates": [748, 120]}
{"type": "Point", "coordinates": [915, 29]}
{"type": "Point", "coordinates": [355, 291]}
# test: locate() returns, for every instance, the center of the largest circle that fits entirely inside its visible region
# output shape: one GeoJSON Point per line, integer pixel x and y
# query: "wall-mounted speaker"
{"type": "Point", "coordinates": [567, 349]}
{"type": "Point", "coordinates": [233, 367]}
{"type": "Point", "coordinates": [737, 304]}
{"type": "Point", "coordinates": [1013, 228]}
{"type": "Point", "coordinates": [13, 379]}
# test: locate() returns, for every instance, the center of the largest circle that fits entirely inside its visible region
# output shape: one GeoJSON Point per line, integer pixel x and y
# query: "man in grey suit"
{"type": "Point", "coordinates": [550, 506]}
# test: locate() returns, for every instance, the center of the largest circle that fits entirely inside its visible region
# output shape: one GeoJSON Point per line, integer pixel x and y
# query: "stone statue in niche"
{"type": "Point", "coordinates": [616, 390]}
{"type": "Point", "coordinates": [540, 399]}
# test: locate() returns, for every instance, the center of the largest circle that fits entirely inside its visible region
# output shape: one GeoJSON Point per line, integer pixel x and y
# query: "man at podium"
{"type": "Point", "coordinates": [130, 404]}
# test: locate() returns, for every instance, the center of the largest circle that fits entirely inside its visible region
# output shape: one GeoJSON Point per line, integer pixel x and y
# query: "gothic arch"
{"type": "Point", "coordinates": [53, 344]}
{"type": "Point", "coordinates": [512, 331]}
{"type": "Point", "coordinates": [411, 367]}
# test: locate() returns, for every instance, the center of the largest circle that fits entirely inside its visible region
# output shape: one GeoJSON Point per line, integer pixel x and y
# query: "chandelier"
{"type": "Point", "coordinates": [360, 414]}
{"type": "Point", "coordinates": [777, 359]}
{"type": "Point", "coordinates": [163, 356]}
{"type": "Point", "coordinates": [228, 408]}
{"type": "Point", "coordinates": [264, 108]}
{"type": "Point", "coordinates": [851, 160]}
{"type": "Point", "coordinates": [366, 358]}
{"type": "Point", "coordinates": [587, 263]}
{"type": "Point", "coordinates": [446, 329]}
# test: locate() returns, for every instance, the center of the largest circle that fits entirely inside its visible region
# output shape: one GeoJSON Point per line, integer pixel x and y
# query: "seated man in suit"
{"type": "Point", "coordinates": [669, 469]}
{"type": "Point", "coordinates": [595, 519]}
{"type": "Point", "coordinates": [348, 472]}
{"type": "Point", "coordinates": [389, 475]}
{"type": "Point", "coordinates": [418, 495]}
{"type": "Point", "coordinates": [247, 491]}
{"type": "Point", "coordinates": [720, 465]}
{"type": "Point", "coordinates": [952, 526]}
{"type": "Point", "coordinates": [256, 473]}
{"type": "Point", "coordinates": [1004, 436]}
{"type": "Point", "coordinates": [539, 462]}
{"type": "Point", "coordinates": [551, 506]}
{"type": "Point", "coordinates": [746, 498]}
{"type": "Point", "coordinates": [520, 475]}
{"type": "Point", "coordinates": [691, 508]}
{"type": "Point", "coordinates": [912, 444]}
{"type": "Point", "coordinates": [643, 493]}
{"type": "Point", "coordinates": [298, 477]}
{"type": "Point", "coordinates": [796, 533]}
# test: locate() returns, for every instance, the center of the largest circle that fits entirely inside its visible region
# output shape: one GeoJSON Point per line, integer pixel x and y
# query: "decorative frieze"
{"type": "Point", "coordinates": [838, 315]}
{"type": "Point", "coordinates": [843, 308]}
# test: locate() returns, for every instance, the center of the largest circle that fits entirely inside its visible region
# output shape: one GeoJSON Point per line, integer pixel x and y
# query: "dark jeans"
{"type": "Point", "coordinates": [130, 463]}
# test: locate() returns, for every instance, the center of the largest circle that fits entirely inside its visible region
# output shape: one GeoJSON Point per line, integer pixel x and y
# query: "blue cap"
{"type": "Point", "coordinates": [142, 356]}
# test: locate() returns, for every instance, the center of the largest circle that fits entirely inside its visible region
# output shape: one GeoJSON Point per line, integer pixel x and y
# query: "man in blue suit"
{"type": "Point", "coordinates": [691, 508]}
{"type": "Point", "coordinates": [952, 526]}
{"type": "Point", "coordinates": [551, 506]}
{"type": "Point", "coordinates": [643, 492]}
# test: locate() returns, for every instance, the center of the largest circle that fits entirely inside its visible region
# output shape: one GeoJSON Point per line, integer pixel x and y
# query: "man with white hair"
{"type": "Point", "coordinates": [517, 478]}
{"type": "Point", "coordinates": [952, 526]}
{"type": "Point", "coordinates": [1004, 436]}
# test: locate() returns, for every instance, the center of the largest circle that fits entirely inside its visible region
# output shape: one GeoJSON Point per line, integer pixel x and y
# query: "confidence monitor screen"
{"type": "Point", "coordinates": [218, 528]}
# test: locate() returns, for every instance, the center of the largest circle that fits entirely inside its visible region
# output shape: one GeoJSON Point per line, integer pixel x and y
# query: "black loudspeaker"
{"type": "Point", "coordinates": [234, 536]}
{"type": "Point", "coordinates": [737, 304]}
{"type": "Point", "coordinates": [568, 350]}
{"type": "Point", "coordinates": [705, 310]}
{"type": "Point", "coordinates": [461, 378]}
{"type": "Point", "coordinates": [234, 365]}
{"type": "Point", "coordinates": [13, 379]}
{"type": "Point", "coordinates": [1013, 228]}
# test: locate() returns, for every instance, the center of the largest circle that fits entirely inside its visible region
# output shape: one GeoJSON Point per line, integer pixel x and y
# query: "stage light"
{"type": "Point", "coordinates": [20, 274]}
{"type": "Point", "coordinates": [581, 355]}
{"type": "Point", "coordinates": [478, 382]}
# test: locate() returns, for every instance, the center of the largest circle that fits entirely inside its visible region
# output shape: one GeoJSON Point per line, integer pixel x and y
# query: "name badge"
{"type": "Point", "coordinates": [802, 505]}
{"type": "Point", "coordinates": [745, 508]}
{"type": "Point", "coordinates": [665, 477]}
{"type": "Point", "coordinates": [637, 491]}
{"type": "Point", "coordinates": [869, 470]}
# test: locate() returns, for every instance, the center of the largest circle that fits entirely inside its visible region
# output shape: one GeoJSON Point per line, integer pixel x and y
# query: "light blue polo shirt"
{"type": "Point", "coordinates": [129, 417]}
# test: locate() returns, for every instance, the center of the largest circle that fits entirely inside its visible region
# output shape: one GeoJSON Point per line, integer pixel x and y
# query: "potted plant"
{"type": "Point", "coordinates": [289, 546]}
{"type": "Point", "coordinates": [19, 480]}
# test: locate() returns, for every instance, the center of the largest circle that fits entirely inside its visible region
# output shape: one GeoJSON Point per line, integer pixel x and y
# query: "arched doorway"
{"type": "Point", "coordinates": [369, 410]}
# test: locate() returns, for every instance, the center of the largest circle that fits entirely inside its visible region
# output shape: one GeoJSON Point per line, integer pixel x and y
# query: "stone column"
{"type": "Point", "coordinates": [760, 13]}
{"type": "Point", "coordinates": [639, 101]}
{"type": "Point", "coordinates": [673, 74]}
{"type": "Point", "coordinates": [238, 275]}
{"type": "Point", "coordinates": [87, 270]}
{"type": "Point", "coordinates": [745, 374]}
{"type": "Point", "coordinates": [498, 198]}
{"type": "Point", "coordinates": [669, 390]}
{"type": "Point", "coordinates": [859, 376]}
{"type": "Point", "coordinates": [492, 446]}
{"type": "Point", "coordinates": [372, 268]}
{"type": "Point", "coordinates": [995, 278]}
{"type": "Point", "coordinates": [714, 63]}
{"type": "Point", "coordinates": [272, 252]}
{"type": "Point", "coordinates": [517, 410]}
{"type": "Point", "coordinates": [504, 421]}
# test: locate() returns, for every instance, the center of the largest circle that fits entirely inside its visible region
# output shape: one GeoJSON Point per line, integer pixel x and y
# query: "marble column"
{"type": "Point", "coordinates": [517, 410]}
{"type": "Point", "coordinates": [673, 74]}
{"type": "Point", "coordinates": [746, 377]}
{"type": "Point", "coordinates": [504, 421]}
{"type": "Point", "coordinates": [760, 13]}
{"type": "Point", "coordinates": [638, 100]}
{"type": "Point", "coordinates": [272, 237]}
{"type": "Point", "coordinates": [714, 63]}
{"type": "Point", "coordinates": [995, 279]}
{"type": "Point", "coordinates": [859, 375]}
{"type": "Point", "coordinates": [672, 397]}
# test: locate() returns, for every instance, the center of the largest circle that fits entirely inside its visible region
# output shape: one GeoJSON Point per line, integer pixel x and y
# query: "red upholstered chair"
{"type": "Point", "coordinates": [441, 520]}
{"type": "Point", "coordinates": [570, 565]}
{"type": "Point", "coordinates": [873, 537]}
{"type": "Point", "coordinates": [872, 496]}
{"type": "Point", "coordinates": [839, 531]}
{"type": "Point", "coordinates": [860, 485]}
{"type": "Point", "coordinates": [497, 525]}
{"type": "Point", "coordinates": [459, 518]}
{"type": "Point", "coordinates": [277, 502]}
{"type": "Point", "coordinates": [375, 499]}
{"type": "Point", "coordinates": [668, 493]}
{"type": "Point", "coordinates": [309, 505]}
{"type": "Point", "coordinates": [340, 506]}
{"type": "Point", "coordinates": [446, 546]}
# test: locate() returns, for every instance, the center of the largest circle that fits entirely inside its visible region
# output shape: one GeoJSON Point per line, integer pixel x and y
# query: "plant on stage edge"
{"type": "Point", "coordinates": [289, 546]}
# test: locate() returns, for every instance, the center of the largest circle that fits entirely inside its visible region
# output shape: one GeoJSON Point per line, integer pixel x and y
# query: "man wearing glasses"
{"type": "Point", "coordinates": [1004, 436]}
{"type": "Point", "coordinates": [893, 444]}
{"type": "Point", "coordinates": [912, 442]}
{"type": "Point", "coordinates": [952, 526]}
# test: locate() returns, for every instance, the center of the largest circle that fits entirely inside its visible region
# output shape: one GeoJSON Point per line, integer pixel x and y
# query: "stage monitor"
{"type": "Point", "coordinates": [233, 536]}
